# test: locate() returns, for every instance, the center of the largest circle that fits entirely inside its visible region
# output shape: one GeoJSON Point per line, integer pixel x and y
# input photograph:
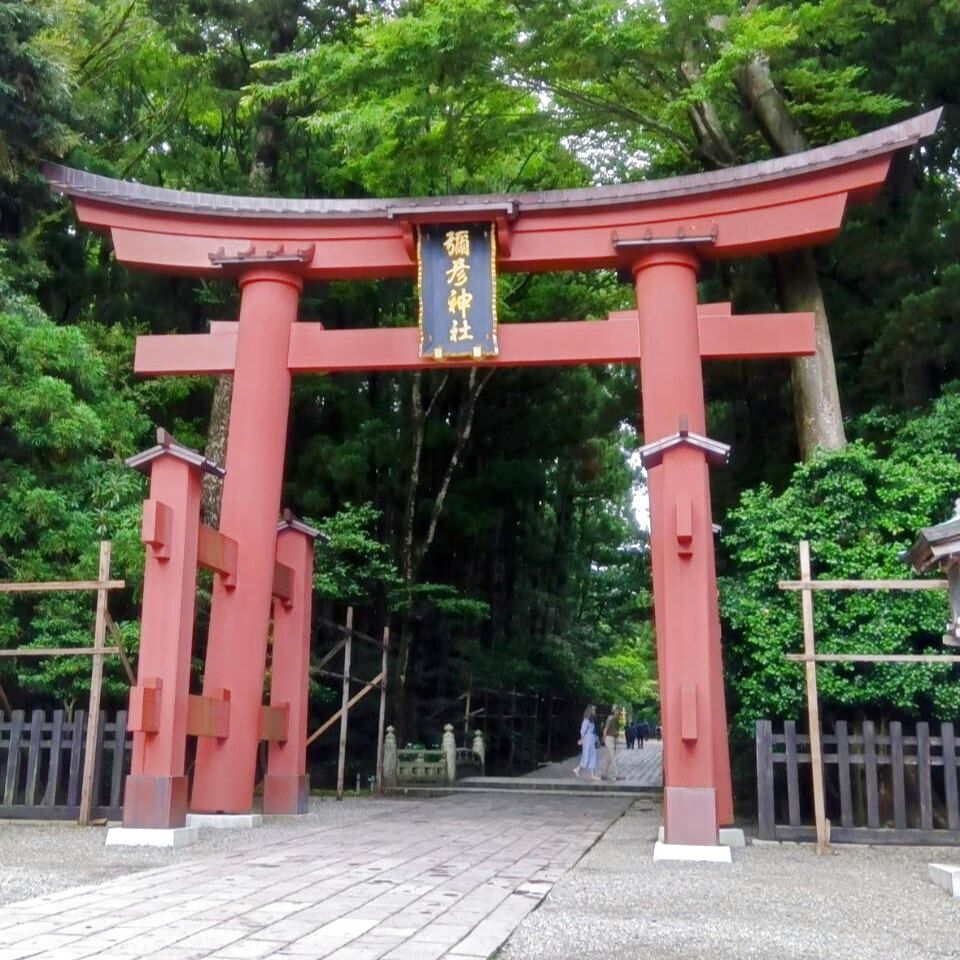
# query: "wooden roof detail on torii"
{"type": "Point", "coordinates": [775, 204]}
{"type": "Point", "coordinates": [757, 208]}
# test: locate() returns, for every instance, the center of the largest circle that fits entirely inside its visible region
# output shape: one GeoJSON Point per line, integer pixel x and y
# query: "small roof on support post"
{"type": "Point", "coordinates": [936, 546]}
{"type": "Point", "coordinates": [717, 453]}
{"type": "Point", "coordinates": [166, 445]}
{"type": "Point", "coordinates": [289, 521]}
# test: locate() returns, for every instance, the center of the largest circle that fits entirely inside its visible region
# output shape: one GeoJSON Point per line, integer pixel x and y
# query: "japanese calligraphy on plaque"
{"type": "Point", "coordinates": [457, 272]}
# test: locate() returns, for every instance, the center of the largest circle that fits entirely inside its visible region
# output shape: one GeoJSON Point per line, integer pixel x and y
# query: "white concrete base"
{"type": "Point", "coordinates": [143, 837]}
{"type": "Point", "coordinates": [225, 821]}
{"type": "Point", "coordinates": [946, 876]}
{"type": "Point", "coordinates": [691, 852]}
{"type": "Point", "coordinates": [728, 837]}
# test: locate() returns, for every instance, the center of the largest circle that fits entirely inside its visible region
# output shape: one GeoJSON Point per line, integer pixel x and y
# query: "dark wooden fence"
{"type": "Point", "coordinates": [41, 764]}
{"type": "Point", "coordinates": [879, 787]}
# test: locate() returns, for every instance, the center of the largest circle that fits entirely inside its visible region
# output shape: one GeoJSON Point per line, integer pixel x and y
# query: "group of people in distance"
{"type": "Point", "coordinates": [636, 733]}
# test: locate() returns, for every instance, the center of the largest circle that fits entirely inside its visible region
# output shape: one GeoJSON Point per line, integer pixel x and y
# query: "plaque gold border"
{"type": "Point", "coordinates": [495, 318]}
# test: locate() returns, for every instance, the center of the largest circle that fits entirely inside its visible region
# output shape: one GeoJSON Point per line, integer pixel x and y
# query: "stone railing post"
{"type": "Point", "coordinates": [449, 747]}
{"type": "Point", "coordinates": [390, 758]}
{"type": "Point", "coordinates": [480, 749]}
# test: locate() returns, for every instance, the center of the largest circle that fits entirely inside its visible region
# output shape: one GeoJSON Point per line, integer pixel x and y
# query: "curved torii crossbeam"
{"type": "Point", "coordinates": [660, 231]}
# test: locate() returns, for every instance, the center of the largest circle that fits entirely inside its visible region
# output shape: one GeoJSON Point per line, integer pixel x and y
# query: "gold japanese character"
{"type": "Point", "coordinates": [457, 243]}
{"type": "Point", "coordinates": [457, 274]}
{"type": "Point", "coordinates": [460, 302]}
{"type": "Point", "coordinates": [460, 330]}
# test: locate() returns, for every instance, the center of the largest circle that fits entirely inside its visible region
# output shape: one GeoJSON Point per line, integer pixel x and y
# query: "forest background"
{"type": "Point", "coordinates": [490, 519]}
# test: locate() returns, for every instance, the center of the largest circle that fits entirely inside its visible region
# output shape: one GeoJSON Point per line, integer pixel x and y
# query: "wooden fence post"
{"type": "Point", "coordinates": [813, 704]}
{"type": "Point", "coordinates": [96, 686]}
{"type": "Point", "coordinates": [384, 667]}
{"type": "Point", "coordinates": [950, 775]}
{"type": "Point", "coordinates": [765, 799]}
{"type": "Point", "coordinates": [345, 705]}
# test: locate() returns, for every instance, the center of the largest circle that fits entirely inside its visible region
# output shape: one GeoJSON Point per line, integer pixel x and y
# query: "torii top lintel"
{"type": "Point", "coordinates": [773, 205]}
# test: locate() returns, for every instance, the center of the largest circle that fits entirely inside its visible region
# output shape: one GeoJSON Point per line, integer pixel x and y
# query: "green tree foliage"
{"type": "Point", "coordinates": [859, 508]}
{"type": "Point", "coordinates": [350, 563]}
{"type": "Point", "coordinates": [64, 427]}
{"type": "Point", "coordinates": [34, 96]}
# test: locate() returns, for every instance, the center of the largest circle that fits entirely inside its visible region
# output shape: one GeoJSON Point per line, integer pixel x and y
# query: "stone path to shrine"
{"type": "Point", "coordinates": [641, 767]}
{"type": "Point", "coordinates": [416, 881]}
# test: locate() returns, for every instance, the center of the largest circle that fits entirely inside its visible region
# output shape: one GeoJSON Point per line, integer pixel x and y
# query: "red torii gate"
{"type": "Point", "coordinates": [660, 231]}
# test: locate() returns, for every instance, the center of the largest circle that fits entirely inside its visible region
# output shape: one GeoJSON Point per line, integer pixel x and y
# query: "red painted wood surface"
{"type": "Point", "coordinates": [218, 553]}
{"type": "Point", "coordinates": [797, 210]}
{"type": "Point", "coordinates": [157, 785]}
{"type": "Point", "coordinates": [240, 615]}
{"type": "Point", "coordinates": [684, 577]}
{"type": "Point", "coordinates": [286, 786]}
{"type": "Point", "coordinates": [564, 343]}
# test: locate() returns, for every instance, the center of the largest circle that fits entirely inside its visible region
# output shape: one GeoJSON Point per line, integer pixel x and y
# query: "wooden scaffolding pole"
{"type": "Point", "coordinates": [384, 666]}
{"type": "Point", "coordinates": [96, 686]}
{"type": "Point", "coordinates": [345, 705]}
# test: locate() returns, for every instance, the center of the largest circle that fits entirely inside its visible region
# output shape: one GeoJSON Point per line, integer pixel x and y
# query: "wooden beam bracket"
{"type": "Point", "coordinates": [684, 527]}
{"type": "Point", "coordinates": [155, 527]}
{"type": "Point", "coordinates": [274, 722]}
{"type": "Point", "coordinates": [218, 553]}
{"type": "Point", "coordinates": [284, 583]}
{"type": "Point", "coordinates": [688, 713]}
{"type": "Point", "coordinates": [209, 716]}
{"type": "Point", "coordinates": [144, 714]}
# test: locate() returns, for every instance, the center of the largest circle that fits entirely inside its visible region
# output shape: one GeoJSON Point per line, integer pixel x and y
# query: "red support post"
{"type": "Point", "coordinates": [156, 789]}
{"type": "Point", "coordinates": [240, 614]}
{"type": "Point", "coordinates": [697, 790]}
{"type": "Point", "coordinates": [286, 787]}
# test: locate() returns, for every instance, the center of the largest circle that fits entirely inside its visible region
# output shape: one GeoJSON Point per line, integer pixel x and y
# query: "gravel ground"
{"type": "Point", "coordinates": [42, 858]}
{"type": "Point", "coordinates": [775, 902]}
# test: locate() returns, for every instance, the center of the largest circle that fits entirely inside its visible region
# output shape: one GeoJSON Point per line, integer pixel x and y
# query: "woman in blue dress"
{"type": "Point", "coordinates": [588, 745]}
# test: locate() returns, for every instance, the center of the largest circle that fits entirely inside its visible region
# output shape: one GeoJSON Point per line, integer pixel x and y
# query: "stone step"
{"type": "Point", "coordinates": [565, 784]}
{"type": "Point", "coordinates": [520, 786]}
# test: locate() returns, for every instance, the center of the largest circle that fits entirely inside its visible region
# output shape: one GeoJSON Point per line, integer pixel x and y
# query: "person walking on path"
{"type": "Point", "coordinates": [588, 745]}
{"type": "Point", "coordinates": [630, 733]}
{"type": "Point", "coordinates": [611, 730]}
{"type": "Point", "coordinates": [643, 732]}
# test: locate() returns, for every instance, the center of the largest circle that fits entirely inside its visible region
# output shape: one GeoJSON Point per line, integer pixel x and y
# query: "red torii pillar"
{"type": "Point", "coordinates": [156, 790]}
{"type": "Point", "coordinates": [286, 786]}
{"type": "Point", "coordinates": [240, 613]}
{"type": "Point", "coordinates": [696, 765]}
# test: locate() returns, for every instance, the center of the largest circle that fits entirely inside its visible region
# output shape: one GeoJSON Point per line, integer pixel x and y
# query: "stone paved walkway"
{"type": "Point", "coordinates": [643, 767]}
{"type": "Point", "coordinates": [441, 878]}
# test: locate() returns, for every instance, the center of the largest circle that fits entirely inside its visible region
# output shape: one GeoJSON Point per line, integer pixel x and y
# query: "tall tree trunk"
{"type": "Point", "coordinates": [216, 450]}
{"type": "Point", "coordinates": [816, 394]}
{"type": "Point", "coordinates": [412, 550]}
{"type": "Point", "coordinates": [262, 175]}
